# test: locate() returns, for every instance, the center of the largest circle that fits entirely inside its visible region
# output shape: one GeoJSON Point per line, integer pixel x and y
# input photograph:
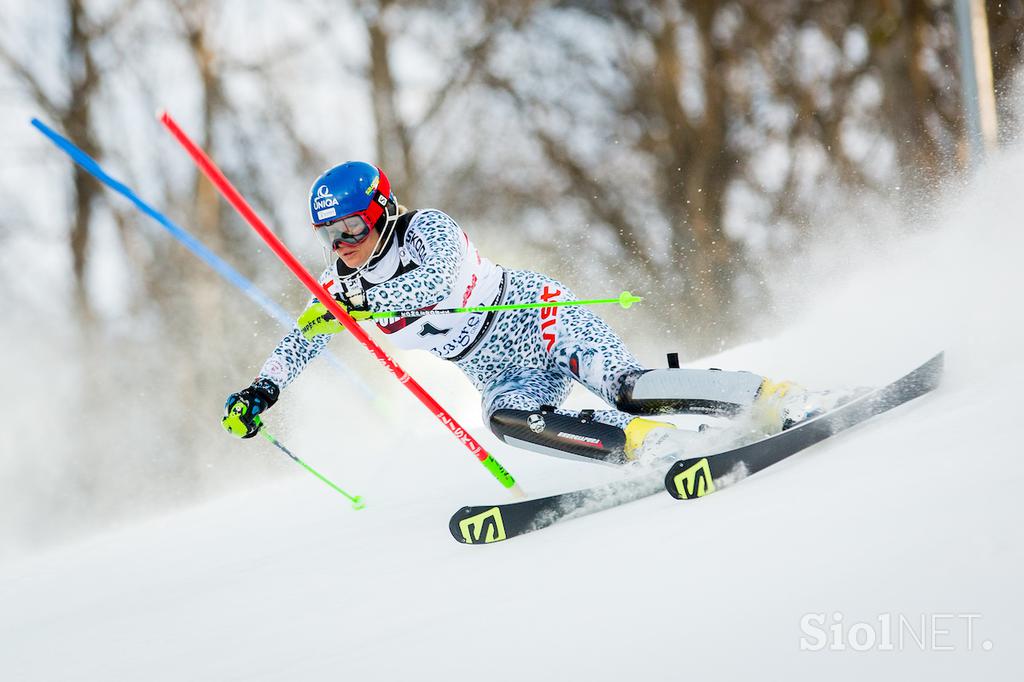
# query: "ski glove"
{"type": "Point", "coordinates": [317, 319]}
{"type": "Point", "coordinates": [243, 409]}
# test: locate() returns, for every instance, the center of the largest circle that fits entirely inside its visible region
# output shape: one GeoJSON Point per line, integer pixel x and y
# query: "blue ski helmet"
{"type": "Point", "coordinates": [353, 188]}
{"type": "Point", "coordinates": [350, 200]}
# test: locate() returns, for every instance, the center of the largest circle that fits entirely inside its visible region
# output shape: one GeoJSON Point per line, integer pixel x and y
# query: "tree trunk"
{"type": "Point", "coordinates": [83, 79]}
{"type": "Point", "coordinates": [694, 166]}
{"type": "Point", "coordinates": [899, 35]}
{"type": "Point", "coordinates": [394, 147]}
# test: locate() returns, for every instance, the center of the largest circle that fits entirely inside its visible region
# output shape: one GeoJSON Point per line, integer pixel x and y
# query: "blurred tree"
{"type": "Point", "coordinates": [913, 48]}
{"type": "Point", "coordinates": [654, 94]}
{"type": "Point", "coordinates": [69, 101]}
{"type": "Point", "coordinates": [394, 145]}
{"type": "Point", "coordinates": [1006, 37]}
{"type": "Point", "coordinates": [699, 141]}
{"type": "Point", "coordinates": [408, 117]}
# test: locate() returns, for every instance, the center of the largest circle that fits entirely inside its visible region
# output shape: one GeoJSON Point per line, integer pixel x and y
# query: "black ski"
{"type": "Point", "coordinates": [700, 476]}
{"type": "Point", "coordinates": [494, 523]}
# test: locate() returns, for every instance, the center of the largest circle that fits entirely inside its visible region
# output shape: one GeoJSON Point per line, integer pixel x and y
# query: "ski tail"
{"type": "Point", "coordinates": [486, 524]}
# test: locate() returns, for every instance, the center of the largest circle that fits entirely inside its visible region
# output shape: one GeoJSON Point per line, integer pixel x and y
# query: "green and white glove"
{"type": "Point", "coordinates": [317, 319]}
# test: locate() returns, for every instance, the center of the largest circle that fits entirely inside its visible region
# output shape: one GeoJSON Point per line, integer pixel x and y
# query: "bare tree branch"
{"type": "Point", "coordinates": [32, 84]}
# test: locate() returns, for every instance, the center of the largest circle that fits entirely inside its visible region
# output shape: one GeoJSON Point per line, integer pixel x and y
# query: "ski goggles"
{"type": "Point", "coordinates": [349, 230]}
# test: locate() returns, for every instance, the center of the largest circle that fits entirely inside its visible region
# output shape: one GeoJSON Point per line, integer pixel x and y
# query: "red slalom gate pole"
{"type": "Point", "coordinates": [242, 206]}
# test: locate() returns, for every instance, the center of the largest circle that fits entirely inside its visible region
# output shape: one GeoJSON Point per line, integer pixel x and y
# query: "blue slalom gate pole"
{"type": "Point", "coordinates": [219, 265]}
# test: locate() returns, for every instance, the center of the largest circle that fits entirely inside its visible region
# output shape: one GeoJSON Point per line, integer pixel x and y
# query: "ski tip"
{"type": "Point", "coordinates": [931, 372]}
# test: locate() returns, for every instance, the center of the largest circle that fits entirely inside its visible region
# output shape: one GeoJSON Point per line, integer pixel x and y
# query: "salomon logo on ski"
{"type": "Point", "coordinates": [695, 481]}
{"type": "Point", "coordinates": [483, 528]}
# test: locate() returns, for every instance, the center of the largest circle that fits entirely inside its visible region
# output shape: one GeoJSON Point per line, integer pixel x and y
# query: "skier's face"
{"type": "Point", "coordinates": [354, 255]}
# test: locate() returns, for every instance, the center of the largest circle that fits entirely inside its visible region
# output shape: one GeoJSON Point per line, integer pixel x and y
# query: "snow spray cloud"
{"type": "Point", "coordinates": [218, 264]}
{"type": "Point", "coordinates": [895, 283]}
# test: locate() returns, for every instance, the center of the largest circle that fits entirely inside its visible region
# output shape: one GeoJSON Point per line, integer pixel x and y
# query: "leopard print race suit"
{"type": "Point", "coordinates": [517, 359]}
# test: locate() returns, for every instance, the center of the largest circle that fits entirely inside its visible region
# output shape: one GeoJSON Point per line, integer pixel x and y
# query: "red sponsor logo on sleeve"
{"type": "Point", "coordinates": [549, 318]}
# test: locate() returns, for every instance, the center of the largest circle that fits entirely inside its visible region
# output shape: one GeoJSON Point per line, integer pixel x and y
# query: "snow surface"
{"type": "Point", "coordinates": [913, 515]}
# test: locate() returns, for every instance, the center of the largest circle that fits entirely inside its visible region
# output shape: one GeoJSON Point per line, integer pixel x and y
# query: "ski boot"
{"type": "Point", "coordinates": [784, 404]}
{"type": "Point", "coordinates": [781, 404]}
{"type": "Point", "coordinates": [648, 440]}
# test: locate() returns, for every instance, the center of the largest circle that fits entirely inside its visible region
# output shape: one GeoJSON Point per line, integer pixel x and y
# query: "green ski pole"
{"type": "Point", "coordinates": [357, 501]}
{"type": "Point", "coordinates": [625, 299]}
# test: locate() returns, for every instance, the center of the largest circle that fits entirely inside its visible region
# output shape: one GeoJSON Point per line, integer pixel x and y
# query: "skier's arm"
{"type": "Point", "coordinates": [439, 245]}
{"type": "Point", "coordinates": [291, 356]}
{"type": "Point", "coordinates": [293, 352]}
{"type": "Point", "coordinates": [243, 408]}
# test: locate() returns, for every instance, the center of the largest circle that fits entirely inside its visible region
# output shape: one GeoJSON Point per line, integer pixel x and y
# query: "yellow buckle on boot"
{"type": "Point", "coordinates": [637, 430]}
{"type": "Point", "coordinates": [767, 408]}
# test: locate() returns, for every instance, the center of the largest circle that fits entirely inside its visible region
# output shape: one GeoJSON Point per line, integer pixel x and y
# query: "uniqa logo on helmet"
{"type": "Point", "coordinates": [324, 198]}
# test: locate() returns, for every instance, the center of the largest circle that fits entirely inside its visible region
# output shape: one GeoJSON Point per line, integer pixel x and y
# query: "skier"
{"type": "Point", "coordinates": [523, 362]}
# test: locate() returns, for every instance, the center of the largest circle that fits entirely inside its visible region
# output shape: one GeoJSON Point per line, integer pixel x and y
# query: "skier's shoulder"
{"type": "Point", "coordinates": [432, 225]}
{"type": "Point", "coordinates": [425, 219]}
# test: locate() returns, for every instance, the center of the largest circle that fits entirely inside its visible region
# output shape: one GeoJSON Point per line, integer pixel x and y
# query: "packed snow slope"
{"type": "Point", "coordinates": [911, 519]}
